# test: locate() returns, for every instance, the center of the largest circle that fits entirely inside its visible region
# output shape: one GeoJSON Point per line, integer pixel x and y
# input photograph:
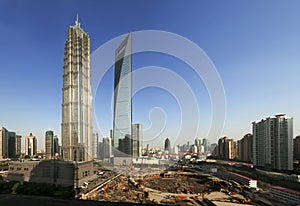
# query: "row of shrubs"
{"type": "Point", "coordinates": [41, 189]}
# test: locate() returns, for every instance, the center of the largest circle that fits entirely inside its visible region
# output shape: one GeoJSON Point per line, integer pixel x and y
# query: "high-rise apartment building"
{"type": "Point", "coordinates": [297, 148]}
{"type": "Point", "coordinates": [11, 144]}
{"type": "Point", "coordinates": [122, 115]}
{"type": "Point", "coordinates": [49, 144]}
{"type": "Point", "coordinates": [245, 148]}
{"type": "Point", "coordinates": [18, 144]}
{"type": "Point", "coordinates": [226, 148]}
{"type": "Point", "coordinates": [76, 124]}
{"type": "Point", "coordinates": [273, 142]}
{"type": "Point", "coordinates": [137, 138]}
{"type": "Point", "coordinates": [30, 145]}
{"type": "Point", "coordinates": [3, 143]}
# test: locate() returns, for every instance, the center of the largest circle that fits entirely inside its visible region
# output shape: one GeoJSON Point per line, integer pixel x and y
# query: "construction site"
{"type": "Point", "coordinates": [169, 188]}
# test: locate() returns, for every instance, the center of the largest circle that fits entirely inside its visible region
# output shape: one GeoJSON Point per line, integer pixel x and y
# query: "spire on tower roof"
{"type": "Point", "coordinates": [76, 21]}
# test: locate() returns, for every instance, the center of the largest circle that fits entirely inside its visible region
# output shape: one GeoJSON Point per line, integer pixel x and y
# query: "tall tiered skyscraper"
{"type": "Point", "coordinates": [273, 142]}
{"type": "Point", "coordinates": [76, 124]}
{"type": "Point", "coordinates": [122, 100]}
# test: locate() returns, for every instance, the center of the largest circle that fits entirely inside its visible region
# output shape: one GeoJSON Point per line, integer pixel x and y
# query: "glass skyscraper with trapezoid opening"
{"type": "Point", "coordinates": [122, 130]}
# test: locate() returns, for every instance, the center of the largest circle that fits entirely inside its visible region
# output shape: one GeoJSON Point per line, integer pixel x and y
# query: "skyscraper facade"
{"type": "Point", "coordinates": [18, 144]}
{"type": "Point", "coordinates": [226, 148]}
{"type": "Point", "coordinates": [107, 148]}
{"type": "Point", "coordinates": [49, 144]}
{"type": "Point", "coordinates": [168, 145]}
{"type": "Point", "coordinates": [205, 145]}
{"type": "Point", "coordinates": [3, 143]}
{"type": "Point", "coordinates": [137, 137]}
{"type": "Point", "coordinates": [297, 148]}
{"type": "Point", "coordinates": [30, 145]}
{"type": "Point", "coordinates": [198, 144]}
{"type": "Point", "coordinates": [245, 148]}
{"type": "Point", "coordinates": [56, 146]}
{"type": "Point", "coordinates": [273, 142]}
{"type": "Point", "coordinates": [11, 144]}
{"type": "Point", "coordinates": [76, 124]}
{"type": "Point", "coordinates": [95, 146]}
{"type": "Point", "coordinates": [122, 116]}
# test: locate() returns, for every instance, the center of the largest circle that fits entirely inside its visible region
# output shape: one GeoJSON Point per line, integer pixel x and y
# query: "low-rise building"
{"type": "Point", "coordinates": [249, 182]}
{"type": "Point", "coordinates": [52, 172]}
{"type": "Point", "coordinates": [292, 197]}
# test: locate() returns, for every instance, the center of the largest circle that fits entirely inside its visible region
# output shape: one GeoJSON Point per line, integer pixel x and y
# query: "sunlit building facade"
{"type": "Point", "coordinates": [76, 124]}
{"type": "Point", "coordinates": [18, 144]}
{"type": "Point", "coordinates": [95, 146]}
{"type": "Point", "coordinates": [273, 142]}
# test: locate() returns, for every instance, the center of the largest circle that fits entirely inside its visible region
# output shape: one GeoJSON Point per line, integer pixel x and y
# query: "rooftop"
{"type": "Point", "coordinates": [286, 190]}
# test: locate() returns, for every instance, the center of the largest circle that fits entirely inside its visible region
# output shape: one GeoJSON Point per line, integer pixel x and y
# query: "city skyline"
{"type": "Point", "coordinates": [252, 92]}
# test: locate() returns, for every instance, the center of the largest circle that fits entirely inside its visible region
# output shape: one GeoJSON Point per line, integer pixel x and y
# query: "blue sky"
{"type": "Point", "coordinates": [255, 46]}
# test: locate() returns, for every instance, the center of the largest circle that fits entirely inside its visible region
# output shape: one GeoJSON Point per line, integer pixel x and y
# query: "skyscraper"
{"type": "Point", "coordinates": [205, 145]}
{"type": "Point", "coordinates": [30, 145]}
{"type": "Point", "coordinates": [107, 148]}
{"type": "Point", "coordinates": [273, 142]}
{"type": "Point", "coordinates": [18, 144]}
{"type": "Point", "coordinates": [49, 144]}
{"type": "Point", "coordinates": [56, 146]}
{"type": "Point", "coordinates": [11, 144]}
{"type": "Point", "coordinates": [245, 148]}
{"type": "Point", "coordinates": [137, 136]}
{"type": "Point", "coordinates": [198, 144]}
{"type": "Point", "coordinates": [3, 143]}
{"type": "Point", "coordinates": [95, 146]}
{"type": "Point", "coordinates": [296, 142]}
{"type": "Point", "coordinates": [76, 124]}
{"type": "Point", "coordinates": [122, 118]}
{"type": "Point", "coordinates": [168, 145]}
{"type": "Point", "coordinates": [226, 149]}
